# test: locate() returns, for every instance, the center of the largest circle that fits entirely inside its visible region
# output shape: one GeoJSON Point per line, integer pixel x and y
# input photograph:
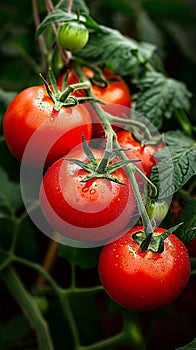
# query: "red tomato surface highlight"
{"type": "Point", "coordinates": [116, 95]}
{"type": "Point", "coordinates": [31, 117]}
{"type": "Point", "coordinates": [93, 210]}
{"type": "Point", "coordinates": [147, 280]}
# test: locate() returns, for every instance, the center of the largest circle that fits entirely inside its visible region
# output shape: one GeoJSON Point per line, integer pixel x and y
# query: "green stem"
{"type": "Point", "coordinates": [130, 168]}
{"type": "Point", "coordinates": [106, 343]}
{"type": "Point", "coordinates": [133, 331]}
{"type": "Point", "coordinates": [102, 165]}
{"type": "Point", "coordinates": [71, 88]}
{"type": "Point", "coordinates": [184, 122]}
{"type": "Point", "coordinates": [30, 309]}
{"type": "Point", "coordinates": [60, 293]}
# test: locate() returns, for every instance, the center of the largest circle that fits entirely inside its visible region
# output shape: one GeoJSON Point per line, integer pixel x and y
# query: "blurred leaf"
{"type": "Point", "coordinates": [77, 5]}
{"type": "Point", "coordinates": [160, 96]}
{"type": "Point", "coordinates": [184, 39]}
{"type": "Point", "coordinates": [124, 55]}
{"type": "Point", "coordinates": [8, 162]}
{"type": "Point", "coordinates": [174, 9]}
{"type": "Point", "coordinates": [190, 346]}
{"type": "Point", "coordinates": [27, 245]}
{"type": "Point", "coordinates": [147, 29]}
{"type": "Point", "coordinates": [183, 155]}
{"type": "Point", "coordinates": [85, 258]}
{"type": "Point", "coordinates": [12, 331]}
{"type": "Point", "coordinates": [187, 231]}
{"type": "Point", "coordinates": [6, 97]}
{"type": "Point", "coordinates": [10, 195]}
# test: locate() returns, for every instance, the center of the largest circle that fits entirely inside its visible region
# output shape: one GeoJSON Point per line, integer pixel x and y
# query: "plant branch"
{"type": "Point", "coordinates": [130, 168]}
{"type": "Point", "coordinates": [30, 309]}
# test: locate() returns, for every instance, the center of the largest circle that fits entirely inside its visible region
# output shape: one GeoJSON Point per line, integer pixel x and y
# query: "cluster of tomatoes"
{"type": "Point", "coordinates": [42, 136]}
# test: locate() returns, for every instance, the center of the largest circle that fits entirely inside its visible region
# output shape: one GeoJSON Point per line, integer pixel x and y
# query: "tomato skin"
{"type": "Point", "coordinates": [116, 95]}
{"type": "Point", "coordinates": [140, 280]}
{"type": "Point", "coordinates": [137, 151]}
{"type": "Point", "coordinates": [98, 207]}
{"type": "Point", "coordinates": [32, 111]}
{"type": "Point", "coordinates": [73, 36]}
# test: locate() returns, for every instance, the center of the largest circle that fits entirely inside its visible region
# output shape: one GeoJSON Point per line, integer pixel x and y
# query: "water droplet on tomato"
{"type": "Point", "coordinates": [85, 189]}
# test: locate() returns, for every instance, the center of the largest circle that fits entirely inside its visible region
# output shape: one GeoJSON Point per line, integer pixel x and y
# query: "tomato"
{"type": "Point", "coordinates": [141, 280]}
{"type": "Point", "coordinates": [116, 95]}
{"type": "Point", "coordinates": [94, 210]}
{"type": "Point", "coordinates": [157, 210]}
{"type": "Point", "coordinates": [73, 36]}
{"type": "Point", "coordinates": [31, 119]}
{"type": "Point", "coordinates": [137, 151]}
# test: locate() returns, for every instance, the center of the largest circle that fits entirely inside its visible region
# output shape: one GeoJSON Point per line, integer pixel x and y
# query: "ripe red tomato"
{"type": "Point", "coordinates": [30, 116]}
{"type": "Point", "coordinates": [116, 94]}
{"type": "Point", "coordinates": [141, 280]}
{"type": "Point", "coordinates": [137, 151]}
{"type": "Point", "coordinates": [88, 211]}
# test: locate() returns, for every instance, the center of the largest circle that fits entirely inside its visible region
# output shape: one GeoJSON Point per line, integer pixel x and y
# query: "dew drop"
{"type": "Point", "coordinates": [92, 191]}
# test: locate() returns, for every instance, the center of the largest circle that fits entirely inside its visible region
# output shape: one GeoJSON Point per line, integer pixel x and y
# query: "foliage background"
{"type": "Point", "coordinates": [170, 25]}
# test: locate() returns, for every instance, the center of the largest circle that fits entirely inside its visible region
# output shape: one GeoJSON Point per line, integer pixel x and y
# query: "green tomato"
{"type": "Point", "coordinates": [157, 210]}
{"type": "Point", "coordinates": [73, 36]}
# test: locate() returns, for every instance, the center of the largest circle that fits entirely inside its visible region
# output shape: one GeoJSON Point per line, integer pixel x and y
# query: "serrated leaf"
{"type": "Point", "coordinates": [10, 195]}
{"type": "Point", "coordinates": [176, 174]}
{"type": "Point", "coordinates": [85, 258]}
{"type": "Point", "coordinates": [190, 346]}
{"type": "Point", "coordinates": [124, 55]}
{"type": "Point", "coordinates": [187, 231]}
{"type": "Point", "coordinates": [160, 96]}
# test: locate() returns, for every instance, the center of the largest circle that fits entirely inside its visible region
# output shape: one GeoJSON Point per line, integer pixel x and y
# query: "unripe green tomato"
{"type": "Point", "coordinates": [73, 36]}
{"type": "Point", "coordinates": [157, 210]}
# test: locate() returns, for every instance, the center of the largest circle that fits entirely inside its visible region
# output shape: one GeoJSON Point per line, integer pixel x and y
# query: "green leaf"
{"type": "Point", "coordinates": [187, 231]}
{"type": "Point", "coordinates": [122, 54]}
{"type": "Point", "coordinates": [85, 258]}
{"type": "Point", "coordinates": [55, 16]}
{"type": "Point", "coordinates": [78, 5]}
{"type": "Point", "coordinates": [59, 15]}
{"type": "Point", "coordinates": [14, 330]}
{"type": "Point", "coordinates": [160, 96]}
{"type": "Point", "coordinates": [10, 195]}
{"type": "Point", "coordinates": [183, 155]}
{"type": "Point", "coordinates": [190, 346]}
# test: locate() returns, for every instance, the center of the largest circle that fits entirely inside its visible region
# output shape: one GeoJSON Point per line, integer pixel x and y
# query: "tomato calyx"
{"type": "Point", "coordinates": [102, 168]}
{"type": "Point", "coordinates": [153, 242]}
{"type": "Point", "coordinates": [63, 98]}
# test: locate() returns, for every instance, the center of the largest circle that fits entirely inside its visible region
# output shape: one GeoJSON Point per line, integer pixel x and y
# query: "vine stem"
{"type": "Point", "coordinates": [130, 168]}
{"type": "Point", "coordinates": [60, 293]}
{"type": "Point", "coordinates": [30, 309]}
{"type": "Point", "coordinates": [41, 41]}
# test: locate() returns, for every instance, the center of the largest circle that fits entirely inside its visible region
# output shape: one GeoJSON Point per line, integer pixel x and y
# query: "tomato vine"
{"type": "Point", "coordinates": [105, 57]}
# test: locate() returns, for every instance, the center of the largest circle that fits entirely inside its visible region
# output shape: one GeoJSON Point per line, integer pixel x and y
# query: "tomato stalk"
{"type": "Point", "coordinates": [105, 119]}
{"type": "Point", "coordinates": [63, 98]}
